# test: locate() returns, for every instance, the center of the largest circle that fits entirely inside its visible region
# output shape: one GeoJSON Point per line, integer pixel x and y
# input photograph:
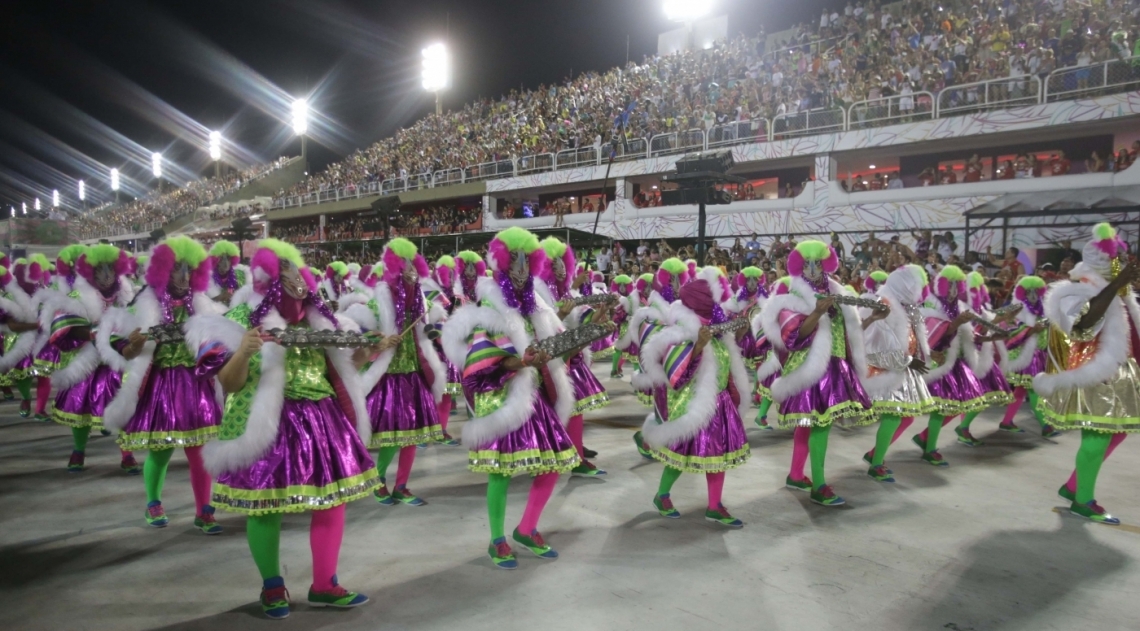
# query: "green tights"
{"type": "Point", "coordinates": [817, 449]}
{"type": "Point", "coordinates": [80, 435]}
{"type": "Point", "coordinates": [264, 535]}
{"type": "Point", "coordinates": [154, 473]}
{"type": "Point", "coordinates": [497, 486]}
{"type": "Point", "coordinates": [762, 413]}
{"type": "Point", "coordinates": [888, 425]}
{"type": "Point", "coordinates": [933, 429]}
{"type": "Point", "coordinates": [25, 387]}
{"type": "Point", "coordinates": [1090, 456]}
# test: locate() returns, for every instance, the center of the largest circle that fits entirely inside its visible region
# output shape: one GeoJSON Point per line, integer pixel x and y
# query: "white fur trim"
{"type": "Point", "coordinates": [701, 407]}
{"type": "Point", "coordinates": [264, 418]}
{"type": "Point", "coordinates": [1110, 355]}
{"type": "Point", "coordinates": [81, 366]}
{"type": "Point", "coordinates": [341, 361]}
{"type": "Point", "coordinates": [770, 367]}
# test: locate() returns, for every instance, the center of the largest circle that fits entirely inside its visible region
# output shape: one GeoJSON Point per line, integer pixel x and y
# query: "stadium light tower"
{"type": "Point", "coordinates": [24, 207]}
{"type": "Point", "coordinates": [83, 194]}
{"type": "Point", "coordinates": [437, 72]}
{"type": "Point", "coordinates": [37, 204]}
{"type": "Point", "coordinates": [156, 168]}
{"type": "Point", "coordinates": [688, 12]}
{"type": "Point", "coordinates": [115, 183]}
{"type": "Point", "coordinates": [301, 125]}
{"type": "Point", "coordinates": [216, 152]}
{"type": "Point", "coordinates": [55, 198]}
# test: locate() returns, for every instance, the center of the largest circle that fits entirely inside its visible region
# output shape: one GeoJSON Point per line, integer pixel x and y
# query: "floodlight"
{"type": "Point", "coordinates": [114, 179]}
{"type": "Point", "coordinates": [300, 117]}
{"type": "Point", "coordinates": [687, 10]}
{"type": "Point", "coordinates": [156, 164]}
{"type": "Point", "coordinates": [215, 145]}
{"type": "Point", "coordinates": [436, 70]}
{"type": "Point", "coordinates": [82, 191]}
{"type": "Point", "coordinates": [55, 198]}
{"type": "Point", "coordinates": [37, 203]}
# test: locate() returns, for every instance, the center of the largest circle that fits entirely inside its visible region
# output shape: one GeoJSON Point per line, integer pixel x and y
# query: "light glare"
{"type": "Point", "coordinates": [687, 10]}
{"type": "Point", "coordinates": [55, 199]}
{"type": "Point", "coordinates": [436, 68]}
{"type": "Point", "coordinates": [215, 145]}
{"type": "Point", "coordinates": [37, 203]}
{"type": "Point", "coordinates": [82, 191]}
{"type": "Point", "coordinates": [156, 164]}
{"type": "Point", "coordinates": [24, 207]}
{"type": "Point", "coordinates": [300, 117]}
{"type": "Point", "coordinates": [114, 179]}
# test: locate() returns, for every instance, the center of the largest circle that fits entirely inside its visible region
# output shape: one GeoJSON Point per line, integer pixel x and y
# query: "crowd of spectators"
{"type": "Point", "coordinates": [149, 212]}
{"type": "Point", "coordinates": [429, 220]}
{"type": "Point", "coordinates": [858, 52]}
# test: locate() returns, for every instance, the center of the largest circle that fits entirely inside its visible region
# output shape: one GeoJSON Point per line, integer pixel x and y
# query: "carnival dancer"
{"type": "Point", "coordinates": [520, 396]}
{"type": "Point", "coordinates": [20, 326]}
{"type": "Point", "coordinates": [227, 275]}
{"type": "Point", "coordinates": [48, 355]}
{"type": "Point", "coordinates": [768, 360]}
{"type": "Point", "coordinates": [405, 384]}
{"type": "Point", "coordinates": [700, 387]}
{"type": "Point", "coordinates": [897, 352]}
{"type": "Point", "coordinates": [1091, 381]}
{"type": "Point", "coordinates": [750, 295]}
{"type": "Point", "coordinates": [873, 282]}
{"type": "Point", "coordinates": [647, 322]}
{"type": "Point", "coordinates": [31, 276]}
{"type": "Point", "coordinates": [988, 369]}
{"type": "Point", "coordinates": [626, 344]}
{"type": "Point", "coordinates": [1027, 351]}
{"type": "Point", "coordinates": [952, 380]}
{"type": "Point", "coordinates": [440, 293]}
{"type": "Point", "coordinates": [294, 428]}
{"type": "Point", "coordinates": [469, 268]}
{"type": "Point", "coordinates": [85, 383]}
{"type": "Point", "coordinates": [628, 303]}
{"type": "Point", "coordinates": [163, 405]}
{"type": "Point", "coordinates": [558, 290]}
{"type": "Point", "coordinates": [821, 351]}
{"type": "Point", "coordinates": [335, 283]}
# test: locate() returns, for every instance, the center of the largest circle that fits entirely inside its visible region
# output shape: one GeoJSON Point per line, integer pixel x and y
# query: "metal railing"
{"type": "Point", "coordinates": [573, 158]}
{"type": "Point", "coordinates": [1100, 78]}
{"type": "Point", "coordinates": [633, 149]}
{"type": "Point", "coordinates": [808, 122]}
{"type": "Point", "coordinates": [738, 133]}
{"type": "Point", "coordinates": [901, 108]}
{"type": "Point", "coordinates": [537, 163]}
{"type": "Point", "coordinates": [1006, 92]}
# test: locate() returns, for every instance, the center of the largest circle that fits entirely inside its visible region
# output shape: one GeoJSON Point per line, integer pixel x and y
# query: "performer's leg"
{"type": "Point", "coordinates": [443, 411]}
{"type": "Point", "coordinates": [661, 501]}
{"type": "Point", "coordinates": [1071, 485]}
{"type": "Point", "coordinates": [384, 458]}
{"type": "Point", "coordinates": [1019, 395]}
{"type": "Point", "coordinates": [1090, 456]}
{"type": "Point", "coordinates": [762, 412]}
{"type": "Point", "coordinates": [967, 420]}
{"type": "Point", "coordinates": [715, 483]}
{"type": "Point", "coordinates": [154, 474]}
{"type": "Point", "coordinates": [817, 447]}
{"type": "Point", "coordinates": [615, 365]}
{"type": "Point", "coordinates": [888, 427]}
{"type": "Point", "coordinates": [920, 438]}
{"type": "Point", "coordinates": [200, 481]}
{"type": "Point", "coordinates": [43, 390]}
{"type": "Point", "coordinates": [963, 430]}
{"type": "Point", "coordinates": [799, 456]}
{"type": "Point", "coordinates": [79, 436]}
{"type": "Point", "coordinates": [540, 491]}
{"type": "Point", "coordinates": [263, 532]}
{"type": "Point", "coordinates": [576, 428]}
{"type": "Point", "coordinates": [497, 505]}
{"type": "Point", "coordinates": [25, 387]}
{"type": "Point", "coordinates": [403, 470]}
{"type": "Point", "coordinates": [326, 531]}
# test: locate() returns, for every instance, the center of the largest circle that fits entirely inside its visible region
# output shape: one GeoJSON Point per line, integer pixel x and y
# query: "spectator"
{"type": "Point", "coordinates": [1095, 164]}
{"type": "Point", "coordinates": [1059, 164]}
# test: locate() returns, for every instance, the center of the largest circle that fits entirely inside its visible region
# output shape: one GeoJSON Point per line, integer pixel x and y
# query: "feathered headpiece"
{"type": "Point", "coordinates": [1026, 285]}
{"type": "Point", "coordinates": [67, 259]}
{"type": "Point", "coordinates": [951, 274]}
{"type": "Point", "coordinates": [671, 268]}
{"type": "Point", "coordinates": [177, 251]}
{"type": "Point", "coordinates": [336, 271]}
{"type": "Point", "coordinates": [621, 284]}
{"type": "Point", "coordinates": [226, 248]}
{"type": "Point", "coordinates": [5, 276]}
{"type": "Point", "coordinates": [397, 254]}
{"type": "Point", "coordinates": [782, 286]}
{"type": "Point", "coordinates": [644, 283]}
{"type": "Point", "coordinates": [874, 280]}
{"type": "Point", "coordinates": [1100, 256]}
{"type": "Point", "coordinates": [467, 257]}
{"type": "Point", "coordinates": [557, 250]}
{"type": "Point", "coordinates": [812, 250]}
{"type": "Point", "coordinates": [101, 254]}
{"type": "Point", "coordinates": [908, 283]}
{"type": "Point", "coordinates": [718, 283]}
{"type": "Point", "coordinates": [266, 271]}
{"type": "Point", "coordinates": [445, 272]}
{"type": "Point", "coordinates": [512, 241]}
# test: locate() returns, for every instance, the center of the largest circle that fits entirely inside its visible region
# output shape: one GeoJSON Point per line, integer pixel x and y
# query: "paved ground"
{"type": "Point", "coordinates": [974, 546]}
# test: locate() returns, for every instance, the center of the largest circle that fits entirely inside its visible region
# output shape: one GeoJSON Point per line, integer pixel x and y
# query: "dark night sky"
{"type": "Point", "coordinates": [94, 84]}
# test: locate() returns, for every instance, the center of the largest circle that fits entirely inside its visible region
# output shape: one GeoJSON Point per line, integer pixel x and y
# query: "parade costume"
{"type": "Point", "coordinates": [164, 404]}
{"type": "Point", "coordinates": [226, 275]}
{"type": "Point", "coordinates": [628, 303]}
{"type": "Point", "coordinates": [894, 346]}
{"type": "Point", "coordinates": [440, 293]}
{"type": "Point", "coordinates": [819, 385]}
{"type": "Point", "coordinates": [406, 383]}
{"type": "Point", "coordinates": [699, 392]}
{"type": "Point", "coordinates": [601, 350]}
{"type": "Point", "coordinates": [769, 367]}
{"type": "Point", "coordinates": [989, 367]}
{"type": "Point", "coordinates": [48, 355]}
{"type": "Point", "coordinates": [556, 289]}
{"type": "Point", "coordinates": [85, 383]}
{"type": "Point", "coordinates": [1091, 380]}
{"type": "Point", "coordinates": [751, 294]}
{"type": "Point", "coordinates": [20, 325]}
{"type": "Point", "coordinates": [1027, 351]}
{"type": "Point", "coordinates": [294, 433]}
{"type": "Point", "coordinates": [520, 408]}
{"type": "Point", "coordinates": [335, 283]}
{"type": "Point", "coordinates": [649, 320]}
{"type": "Point", "coordinates": [952, 381]}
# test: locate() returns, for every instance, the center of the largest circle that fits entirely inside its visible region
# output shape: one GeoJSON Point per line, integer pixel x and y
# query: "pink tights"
{"type": "Point", "coordinates": [325, 534]}
{"type": "Point", "coordinates": [200, 481]}
{"type": "Point", "coordinates": [1112, 443]}
{"type": "Point", "coordinates": [923, 434]}
{"type": "Point", "coordinates": [716, 487]}
{"type": "Point", "coordinates": [1011, 411]}
{"type": "Point", "coordinates": [576, 427]}
{"type": "Point", "coordinates": [540, 491]}
{"type": "Point", "coordinates": [404, 466]}
{"type": "Point", "coordinates": [443, 411]}
{"type": "Point", "coordinates": [43, 390]}
{"type": "Point", "coordinates": [799, 457]}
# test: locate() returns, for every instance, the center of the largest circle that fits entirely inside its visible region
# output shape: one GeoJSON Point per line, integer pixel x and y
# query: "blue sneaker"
{"type": "Point", "coordinates": [275, 599]}
{"type": "Point", "coordinates": [337, 597]}
{"type": "Point", "coordinates": [155, 516]}
{"type": "Point", "coordinates": [206, 522]}
{"type": "Point", "coordinates": [536, 544]}
{"type": "Point", "coordinates": [502, 555]}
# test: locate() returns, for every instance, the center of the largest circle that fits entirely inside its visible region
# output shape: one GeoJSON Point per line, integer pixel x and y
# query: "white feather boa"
{"type": "Point", "coordinates": [21, 308]}
{"type": "Point", "coordinates": [366, 320]}
{"type": "Point", "coordinates": [268, 400]}
{"type": "Point", "coordinates": [522, 387]}
{"type": "Point", "coordinates": [961, 346]}
{"type": "Point", "coordinates": [657, 310]}
{"type": "Point", "coordinates": [90, 306]}
{"type": "Point", "coordinates": [120, 322]}
{"type": "Point", "coordinates": [802, 300]}
{"type": "Point", "coordinates": [1062, 308]}
{"type": "Point", "coordinates": [702, 406]}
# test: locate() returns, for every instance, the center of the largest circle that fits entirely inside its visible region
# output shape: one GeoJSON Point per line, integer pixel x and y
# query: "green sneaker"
{"type": "Point", "coordinates": [826, 496]}
{"type": "Point", "coordinates": [966, 438]}
{"type": "Point", "coordinates": [935, 458]}
{"type": "Point", "coordinates": [664, 506]}
{"type": "Point", "coordinates": [869, 458]}
{"type": "Point", "coordinates": [641, 449]}
{"type": "Point", "coordinates": [275, 600]}
{"type": "Point", "coordinates": [721, 516]}
{"type": "Point", "coordinates": [206, 522]}
{"type": "Point", "coordinates": [535, 544]}
{"type": "Point", "coordinates": [43, 418]}
{"type": "Point", "coordinates": [1066, 494]}
{"type": "Point", "coordinates": [382, 495]}
{"type": "Point", "coordinates": [155, 516]}
{"type": "Point", "coordinates": [130, 465]}
{"type": "Point", "coordinates": [881, 474]}
{"type": "Point", "coordinates": [25, 409]}
{"type": "Point", "coordinates": [1048, 431]}
{"type": "Point", "coordinates": [337, 597]}
{"type": "Point", "coordinates": [762, 423]}
{"type": "Point", "coordinates": [1011, 428]}
{"type": "Point", "coordinates": [404, 496]}
{"type": "Point", "coordinates": [447, 440]}
{"type": "Point", "coordinates": [1093, 512]}
{"type": "Point", "coordinates": [502, 555]}
{"type": "Point", "coordinates": [798, 485]}
{"type": "Point", "coordinates": [75, 463]}
{"type": "Point", "coordinates": [586, 469]}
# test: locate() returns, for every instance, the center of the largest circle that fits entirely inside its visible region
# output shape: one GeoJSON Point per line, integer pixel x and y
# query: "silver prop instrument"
{"type": "Point", "coordinates": [319, 339]}
{"type": "Point", "coordinates": [855, 301]}
{"type": "Point", "coordinates": [572, 339]}
{"type": "Point", "coordinates": [989, 326]}
{"type": "Point", "coordinates": [166, 334]}
{"type": "Point", "coordinates": [726, 327]}
{"type": "Point", "coordinates": [594, 299]}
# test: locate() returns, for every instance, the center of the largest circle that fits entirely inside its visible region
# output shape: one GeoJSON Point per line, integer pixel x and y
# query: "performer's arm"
{"type": "Point", "coordinates": [1099, 303]}
{"type": "Point", "coordinates": [235, 372]}
{"type": "Point", "coordinates": [809, 323]}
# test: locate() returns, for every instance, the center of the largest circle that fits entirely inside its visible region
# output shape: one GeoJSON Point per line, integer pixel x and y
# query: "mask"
{"type": "Point", "coordinates": [813, 270]}
{"type": "Point", "coordinates": [752, 284]}
{"type": "Point", "coordinates": [105, 278]}
{"type": "Point", "coordinates": [179, 281]}
{"type": "Point", "coordinates": [1031, 296]}
{"type": "Point", "coordinates": [676, 283]}
{"type": "Point", "coordinates": [469, 271]}
{"type": "Point", "coordinates": [292, 282]}
{"type": "Point", "coordinates": [223, 264]}
{"type": "Point", "coordinates": [559, 270]}
{"type": "Point", "coordinates": [410, 275]}
{"type": "Point", "coordinates": [953, 293]}
{"type": "Point", "coordinates": [520, 269]}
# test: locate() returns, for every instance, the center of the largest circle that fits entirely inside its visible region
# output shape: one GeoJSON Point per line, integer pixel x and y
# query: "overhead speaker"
{"type": "Point", "coordinates": [387, 204]}
{"type": "Point", "coordinates": [719, 161]}
{"type": "Point", "coordinates": [158, 235]}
